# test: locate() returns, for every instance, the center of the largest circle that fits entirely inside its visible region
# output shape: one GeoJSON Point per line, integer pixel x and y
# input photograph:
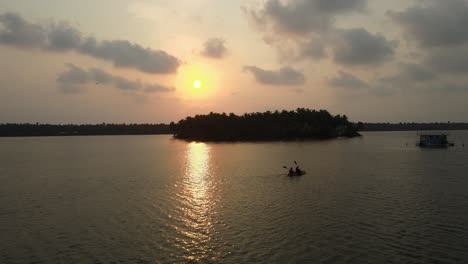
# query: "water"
{"type": "Point", "coordinates": [152, 199]}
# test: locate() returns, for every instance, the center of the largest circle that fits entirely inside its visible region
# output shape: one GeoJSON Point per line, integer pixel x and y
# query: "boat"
{"type": "Point", "coordinates": [434, 140]}
{"type": "Point", "coordinates": [297, 174]}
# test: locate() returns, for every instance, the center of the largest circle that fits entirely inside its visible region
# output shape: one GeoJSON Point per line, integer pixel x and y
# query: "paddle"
{"type": "Point", "coordinates": [289, 171]}
{"type": "Point", "coordinates": [298, 166]}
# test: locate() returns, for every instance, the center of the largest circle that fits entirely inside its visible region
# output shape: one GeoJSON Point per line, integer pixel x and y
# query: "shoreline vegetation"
{"type": "Point", "coordinates": [40, 130]}
{"type": "Point", "coordinates": [300, 124]}
{"type": "Point", "coordinates": [413, 126]}
{"type": "Point", "coordinates": [286, 125]}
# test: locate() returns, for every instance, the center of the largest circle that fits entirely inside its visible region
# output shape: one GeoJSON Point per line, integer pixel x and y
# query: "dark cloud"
{"type": "Point", "coordinates": [340, 6]}
{"type": "Point", "coordinates": [347, 80]}
{"type": "Point", "coordinates": [98, 75]}
{"type": "Point", "coordinates": [125, 84]}
{"type": "Point", "coordinates": [384, 90]}
{"type": "Point", "coordinates": [306, 30]}
{"type": "Point", "coordinates": [358, 46]}
{"type": "Point", "coordinates": [396, 84]}
{"type": "Point", "coordinates": [449, 60]}
{"type": "Point", "coordinates": [416, 72]}
{"type": "Point", "coordinates": [435, 23]}
{"type": "Point", "coordinates": [156, 88]}
{"type": "Point", "coordinates": [453, 87]}
{"type": "Point", "coordinates": [411, 78]}
{"type": "Point", "coordinates": [303, 16]}
{"type": "Point", "coordinates": [125, 54]}
{"type": "Point", "coordinates": [63, 37]}
{"type": "Point", "coordinates": [313, 48]}
{"type": "Point", "coordinates": [16, 31]}
{"type": "Point", "coordinates": [297, 28]}
{"type": "Point", "coordinates": [214, 48]}
{"type": "Point", "coordinates": [75, 77]}
{"type": "Point", "coordinates": [283, 76]}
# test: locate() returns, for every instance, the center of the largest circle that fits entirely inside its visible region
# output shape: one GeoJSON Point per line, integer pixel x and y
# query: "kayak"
{"type": "Point", "coordinates": [296, 174]}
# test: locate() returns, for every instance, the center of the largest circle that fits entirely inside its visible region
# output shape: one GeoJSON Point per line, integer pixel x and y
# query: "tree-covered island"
{"type": "Point", "coordinates": [301, 123]}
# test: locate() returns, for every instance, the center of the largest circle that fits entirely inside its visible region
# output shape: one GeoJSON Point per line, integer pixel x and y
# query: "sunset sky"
{"type": "Point", "coordinates": [137, 61]}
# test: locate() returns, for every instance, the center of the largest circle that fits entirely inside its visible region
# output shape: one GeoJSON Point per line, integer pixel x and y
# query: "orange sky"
{"type": "Point", "coordinates": [137, 60]}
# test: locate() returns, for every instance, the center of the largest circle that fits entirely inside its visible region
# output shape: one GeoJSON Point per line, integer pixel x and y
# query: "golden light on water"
{"type": "Point", "coordinates": [197, 170]}
{"type": "Point", "coordinates": [197, 199]}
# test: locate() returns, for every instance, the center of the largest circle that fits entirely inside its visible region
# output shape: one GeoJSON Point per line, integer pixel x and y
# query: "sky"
{"type": "Point", "coordinates": [136, 61]}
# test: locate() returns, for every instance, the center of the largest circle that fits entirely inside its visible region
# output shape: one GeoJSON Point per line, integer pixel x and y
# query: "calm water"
{"type": "Point", "coordinates": [151, 199]}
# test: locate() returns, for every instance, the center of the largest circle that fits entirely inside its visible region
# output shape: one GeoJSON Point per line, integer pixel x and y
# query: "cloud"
{"type": "Point", "coordinates": [306, 29]}
{"type": "Point", "coordinates": [435, 23]}
{"type": "Point", "coordinates": [63, 37]}
{"type": "Point", "coordinates": [449, 60]}
{"type": "Point", "coordinates": [16, 31]}
{"type": "Point", "coordinates": [298, 29]}
{"type": "Point", "coordinates": [302, 16]}
{"type": "Point", "coordinates": [214, 48]}
{"type": "Point", "coordinates": [411, 78]}
{"type": "Point", "coordinates": [75, 75]}
{"type": "Point", "coordinates": [75, 78]}
{"type": "Point", "coordinates": [416, 72]}
{"type": "Point", "coordinates": [347, 80]}
{"type": "Point", "coordinates": [60, 37]}
{"type": "Point", "coordinates": [157, 88]}
{"type": "Point", "coordinates": [313, 48]}
{"type": "Point", "coordinates": [358, 46]}
{"type": "Point", "coordinates": [283, 76]}
{"type": "Point", "coordinates": [125, 54]}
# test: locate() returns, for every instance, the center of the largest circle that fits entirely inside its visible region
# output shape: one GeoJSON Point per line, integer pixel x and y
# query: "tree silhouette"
{"type": "Point", "coordinates": [285, 125]}
{"type": "Point", "coordinates": [412, 126]}
{"type": "Point", "coordinates": [14, 130]}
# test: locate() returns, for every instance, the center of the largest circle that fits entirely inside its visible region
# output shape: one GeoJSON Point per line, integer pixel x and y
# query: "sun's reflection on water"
{"type": "Point", "coordinates": [198, 170]}
{"type": "Point", "coordinates": [196, 203]}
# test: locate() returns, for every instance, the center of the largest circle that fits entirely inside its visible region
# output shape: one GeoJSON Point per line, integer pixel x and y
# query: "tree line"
{"type": "Point", "coordinates": [302, 123]}
{"type": "Point", "coordinates": [412, 126]}
{"type": "Point", "coordinates": [37, 129]}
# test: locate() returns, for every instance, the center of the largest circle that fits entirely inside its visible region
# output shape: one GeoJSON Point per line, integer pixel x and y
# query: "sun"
{"type": "Point", "coordinates": [197, 84]}
{"type": "Point", "coordinates": [197, 81]}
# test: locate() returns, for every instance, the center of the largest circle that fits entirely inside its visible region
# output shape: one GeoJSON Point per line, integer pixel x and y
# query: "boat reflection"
{"type": "Point", "coordinates": [197, 202]}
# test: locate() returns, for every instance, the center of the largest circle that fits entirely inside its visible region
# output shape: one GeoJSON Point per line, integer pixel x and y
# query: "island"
{"type": "Point", "coordinates": [299, 124]}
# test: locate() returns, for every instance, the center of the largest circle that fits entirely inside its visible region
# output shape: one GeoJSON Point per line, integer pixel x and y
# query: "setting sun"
{"type": "Point", "coordinates": [197, 80]}
{"type": "Point", "coordinates": [197, 84]}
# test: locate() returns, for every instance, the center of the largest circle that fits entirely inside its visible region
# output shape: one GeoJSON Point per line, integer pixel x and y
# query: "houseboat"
{"type": "Point", "coordinates": [434, 141]}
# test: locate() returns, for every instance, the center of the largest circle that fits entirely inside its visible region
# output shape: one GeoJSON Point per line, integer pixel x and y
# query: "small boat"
{"type": "Point", "coordinates": [434, 141]}
{"type": "Point", "coordinates": [297, 174]}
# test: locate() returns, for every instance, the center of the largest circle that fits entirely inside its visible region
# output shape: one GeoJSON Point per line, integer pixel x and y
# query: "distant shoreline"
{"type": "Point", "coordinates": [376, 127]}
{"type": "Point", "coordinates": [70, 130]}
{"type": "Point", "coordinates": [83, 135]}
{"type": "Point", "coordinates": [48, 130]}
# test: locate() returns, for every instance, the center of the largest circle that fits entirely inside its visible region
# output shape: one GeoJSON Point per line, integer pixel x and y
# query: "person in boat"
{"type": "Point", "coordinates": [291, 171]}
{"type": "Point", "coordinates": [298, 171]}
